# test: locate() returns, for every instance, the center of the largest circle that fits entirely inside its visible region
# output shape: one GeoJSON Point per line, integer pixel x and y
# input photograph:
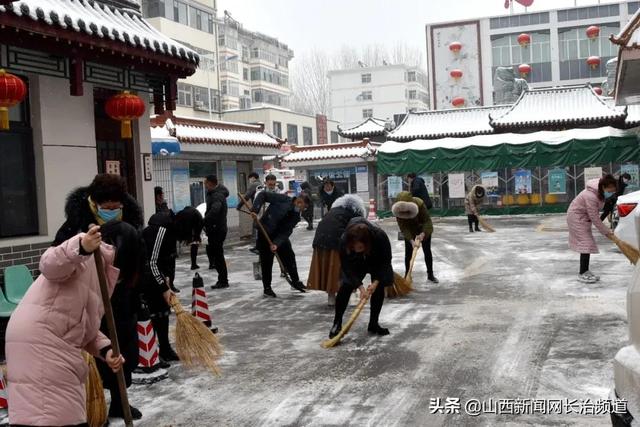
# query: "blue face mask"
{"type": "Point", "coordinates": [607, 194]}
{"type": "Point", "coordinates": [109, 214]}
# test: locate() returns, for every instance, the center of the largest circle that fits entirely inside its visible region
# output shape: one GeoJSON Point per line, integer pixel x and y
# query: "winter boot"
{"type": "Point", "coordinates": [220, 285]}
{"type": "Point", "coordinates": [378, 330]}
{"type": "Point", "coordinates": [115, 411]}
{"type": "Point", "coordinates": [299, 286]}
{"type": "Point", "coordinates": [335, 329]}
{"type": "Point", "coordinates": [268, 292]}
{"type": "Point", "coordinates": [194, 257]}
{"type": "Point", "coordinates": [433, 279]}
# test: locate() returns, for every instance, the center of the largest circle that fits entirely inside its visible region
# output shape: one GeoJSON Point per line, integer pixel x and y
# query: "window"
{"type": "Point", "coordinates": [269, 97]}
{"type": "Point", "coordinates": [411, 76]}
{"type": "Point", "coordinates": [245, 74]}
{"type": "Point", "coordinates": [180, 12]}
{"type": "Point", "coordinates": [200, 98]}
{"type": "Point", "coordinates": [227, 64]}
{"type": "Point", "coordinates": [366, 95]}
{"type": "Point", "coordinates": [153, 8]}
{"type": "Point", "coordinates": [307, 136]}
{"type": "Point", "coordinates": [366, 78]}
{"type": "Point", "coordinates": [574, 43]}
{"type": "Point", "coordinates": [184, 95]}
{"type": "Point", "coordinates": [508, 53]}
{"type": "Point", "coordinates": [413, 94]}
{"type": "Point", "coordinates": [292, 134]}
{"type": "Point", "coordinates": [519, 20]}
{"type": "Point", "coordinates": [230, 87]}
{"type": "Point", "coordinates": [633, 7]}
{"type": "Point", "coordinates": [367, 112]}
{"type": "Point", "coordinates": [271, 76]}
{"type": "Point", "coordinates": [277, 129]}
{"type": "Point", "coordinates": [245, 102]}
{"type": "Point", "coordinates": [591, 12]}
{"type": "Point", "coordinates": [334, 137]}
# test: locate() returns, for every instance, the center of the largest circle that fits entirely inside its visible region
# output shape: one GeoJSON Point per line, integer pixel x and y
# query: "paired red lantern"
{"type": "Point", "coordinates": [598, 90]}
{"type": "Point", "coordinates": [593, 61]}
{"type": "Point", "coordinates": [455, 47]}
{"type": "Point", "coordinates": [458, 101]}
{"type": "Point", "coordinates": [593, 32]}
{"type": "Point", "coordinates": [456, 74]}
{"type": "Point", "coordinates": [524, 40]}
{"type": "Point", "coordinates": [125, 107]}
{"type": "Point", "coordinates": [524, 70]}
{"type": "Point", "coordinates": [12, 92]}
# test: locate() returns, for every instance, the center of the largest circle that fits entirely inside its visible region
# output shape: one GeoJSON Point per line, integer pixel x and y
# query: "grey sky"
{"type": "Point", "coordinates": [328, 24]}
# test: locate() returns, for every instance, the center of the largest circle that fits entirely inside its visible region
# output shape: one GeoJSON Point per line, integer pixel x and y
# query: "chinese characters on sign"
{"type": "Point", "coordinates": [456, 186]}
{"type": "Point", "coordinates": [522, 180]}
{"type": "Point", "coordinates": [557, 181]}
{"type": "Point", "coordinates": [395, 185]}
{"type": "Point", "coordinates": [592, 173]}
{"type": "Point", "coordinates": [490, 183]}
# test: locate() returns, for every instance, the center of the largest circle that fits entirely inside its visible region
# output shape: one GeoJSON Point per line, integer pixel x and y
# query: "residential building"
{"type": "Point", "coordinates": [382, 92]}
{"type": "Point", "coordinates": [550, 48]}
{"type": "Point", "coordinates": [239, 69]}
{"type": "Point", "coordinates": [296, 128]}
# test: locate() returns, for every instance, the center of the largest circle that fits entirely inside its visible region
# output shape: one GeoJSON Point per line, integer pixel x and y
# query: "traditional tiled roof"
{"type": "Point", "coordinates": [444, 123]}
{"type": "Point", "coordinates": [633, 112]}
{"type": "Point", "coordinates": [562, 106]}
{"type": "Point", "coordinates": [350, 150]}
{"type": "Point", "coordinates": [629, 36]}
{"type": "Point", "coordinates": [195, 131]}
{"type": "Point", "coordinates": [368, 128]}
{"type": "Point", "coordinates": [95, 19]}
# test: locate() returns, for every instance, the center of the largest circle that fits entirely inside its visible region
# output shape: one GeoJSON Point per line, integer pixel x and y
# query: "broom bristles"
{"type": "Point", "coordinates": [196, 345]}
{"type": "Point", "coordinates": [96, 404]}
{"type": "Point", "coordinates": [486, 225]}
{"type": "Point", "coordinates": [401, 286]}
{"type": "Point", "coordinates": [632, 253]}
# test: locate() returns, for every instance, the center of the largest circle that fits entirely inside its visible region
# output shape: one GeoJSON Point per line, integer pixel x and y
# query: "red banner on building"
{"type": "Point", "coordinates": [321, 128]}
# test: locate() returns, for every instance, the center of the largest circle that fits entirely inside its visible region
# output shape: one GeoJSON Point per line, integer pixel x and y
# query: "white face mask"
{"type": "Point", "coordinates": [330, 191]}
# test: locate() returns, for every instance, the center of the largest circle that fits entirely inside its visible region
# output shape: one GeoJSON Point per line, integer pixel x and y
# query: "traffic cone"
{"type": "Point", "coordinates": [4, 400]}
{"type": "Point", "coordinates": [372, 210]}
{"type": "Point", "coordinates": [199, 305]}
{"type": "Point", "coordinates": [148, 353]}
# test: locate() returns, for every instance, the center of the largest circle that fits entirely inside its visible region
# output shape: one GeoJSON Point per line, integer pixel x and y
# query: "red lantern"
{"type": "Point", "coordinates": [125, 107]}
{"type": "Point", "coordinates": [455, 47]}
{"type": "Point", "coordinates": [524, 40]}
{"type": "Point", "coordinates": [458, 101]}
{"type": "Point", "coordinates": [593, 32]}
{"type": "Point", "coordinates": [598, 90]}
{"type": "Point", "coordinates": [593, 61]}
{"type": "Point", "coordinates": [456, 74]}
{"type": "Point", "coordinates": [524, 70]}
{"type": "Point", "coordinates": [12, 92]}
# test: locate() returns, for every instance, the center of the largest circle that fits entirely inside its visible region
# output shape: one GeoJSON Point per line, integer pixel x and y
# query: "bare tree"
{"type": "Point", "coordinates": [309, 71]}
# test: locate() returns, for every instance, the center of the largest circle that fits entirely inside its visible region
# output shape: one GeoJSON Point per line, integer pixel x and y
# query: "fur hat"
{"type": "Point", "coordinates": [404, 210]}
{"type": "Point", "coordinates": [351, 202]}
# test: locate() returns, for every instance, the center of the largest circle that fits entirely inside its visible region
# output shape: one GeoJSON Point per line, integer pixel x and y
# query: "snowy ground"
{"type": "Point", "coordinates": [508, 320]}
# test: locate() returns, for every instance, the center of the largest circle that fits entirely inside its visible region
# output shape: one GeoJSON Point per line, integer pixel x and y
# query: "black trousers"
{"type": "Point", "coordinates": [584, 262]}
{"type": "Point", "coordinates": [215, 253]}
{"type": "Point", "coordinates": [287, 256]}
{"type": "Point", "coordinates": [342, 301]}
{"type": "Point", "coordinates": [473, 220]}
{"type": "Point", "coordinates": [426, 249]}
{"type": "Point", "coordinates": [194, 255]}
{"type": "Point", "coordinates": [161, 327]}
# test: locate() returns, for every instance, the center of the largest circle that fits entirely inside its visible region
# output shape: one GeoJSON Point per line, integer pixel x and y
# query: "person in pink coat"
{"type": "Point", "coordinates": [58, 317]}
{"type": "Point", "coordinates": [583, 212]}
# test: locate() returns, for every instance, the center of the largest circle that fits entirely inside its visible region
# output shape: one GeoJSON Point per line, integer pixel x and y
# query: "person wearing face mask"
{"type": "Point", "coordinates": [329, 193]}
{"type": "Point", "coordinates": [364, 249]}
{"type": "Point", "coordinates": [582, 213]}
{"type": "Point", "coordinates": [279, 220]}
{"type": "Point", "coordinates": [472, 204]}
{"type": "Point", "coordinates": [104, 200]}
{"type": "Point", "coordinates": [612, 199]}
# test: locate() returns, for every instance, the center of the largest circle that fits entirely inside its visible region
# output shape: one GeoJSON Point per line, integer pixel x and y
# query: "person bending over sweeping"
{"type": "Point", "coordinates": [414, 222]}
{"type": "Point", "coordinates": [189, 224]}
{"type": "Point", "coordinates": [472, 204]}
{"type": "Point", "coordinates": [364, 249]}
{"type": "Point", "coordinates": [279, 220]}
{"type": "Point", "coordinates": [584, 211]}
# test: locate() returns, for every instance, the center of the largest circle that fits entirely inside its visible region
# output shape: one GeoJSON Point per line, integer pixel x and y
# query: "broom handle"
{"type": "Point", "coordinates": [413, 260]}
{"type": "Point", "coordinates": [113, 335]}
{"type": "Point", "coordinates": [354, 315]}
{"type": "Point", "coordinates": [264, 233]}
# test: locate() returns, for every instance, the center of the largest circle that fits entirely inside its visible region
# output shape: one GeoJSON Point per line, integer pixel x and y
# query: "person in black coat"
{"type": "Point", "coordinates": [307, 214]}
{"type": "Point", "coordinates": [329, 193]}
{"type": "Point", "coordinates": [364, 249]}
{"type": "Point", "coordinates": [160, 242]}
{"type": "Point", "coordinates": [418, 188]}
{"type": "Point", "coordinates": [104, 200]}
{"type": "Point", "coordinates": [279, 220]}
{"type": "Point", "coordinates": [324, 273]}
{"type": "Point", "coordinates": [215, 225]}
{"type": "Point", "coordinates": [189, 224]}
{"type": "Point", "coordinates": [610, 203]}
{"type": "Point", "coordinates": [125, 303]}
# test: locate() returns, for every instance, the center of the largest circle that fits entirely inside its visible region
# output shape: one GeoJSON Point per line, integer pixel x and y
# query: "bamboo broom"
{"type": "Point", "coordinates": [196, 345]}
{"type": "Point", "coordinates": [402, 285]}
{"type": "Point", "coordinates": [96, 404]}
{"type": "Point", "coordinates": [335, 340]}
{"type": "Point", "coordinates": [486, 225]}
{"type": "Point", "coordinates": [632, 253]}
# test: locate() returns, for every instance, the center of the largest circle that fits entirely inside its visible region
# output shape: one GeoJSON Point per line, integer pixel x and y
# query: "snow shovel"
{"type": "Point", "coordinates": [113, 336]}
{"type": "Point", "coordinates": [287, 277]}
{"type": "Point", "coordinates": [335, 340]}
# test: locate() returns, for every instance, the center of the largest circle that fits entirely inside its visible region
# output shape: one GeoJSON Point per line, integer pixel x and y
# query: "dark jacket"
{"type": "Point", "coordinates": [160, 242]}
{"type": "Point", "coordinates": [250, 194]}
{"type": "Point", "coordinates": [79, 215]}
{"type": "Point", "coordinates": [377, 263]}
{"type": "Point", "coordinates": [328, 199]}
{"type": "Point", "coordinates": [419, 189]}
{"type": "Point", "coordinates": [280, 218]}
{"type": "Point", "coordinates": [305, 192]}
{"type": "Point", "coordinates": [332, 225]}
{"type": "Point", "coordinates": [188, 225]}
{"type": "Point", "coordinates": [610, 203]}
{"type": "Point", "coordinates": [215, 218]}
